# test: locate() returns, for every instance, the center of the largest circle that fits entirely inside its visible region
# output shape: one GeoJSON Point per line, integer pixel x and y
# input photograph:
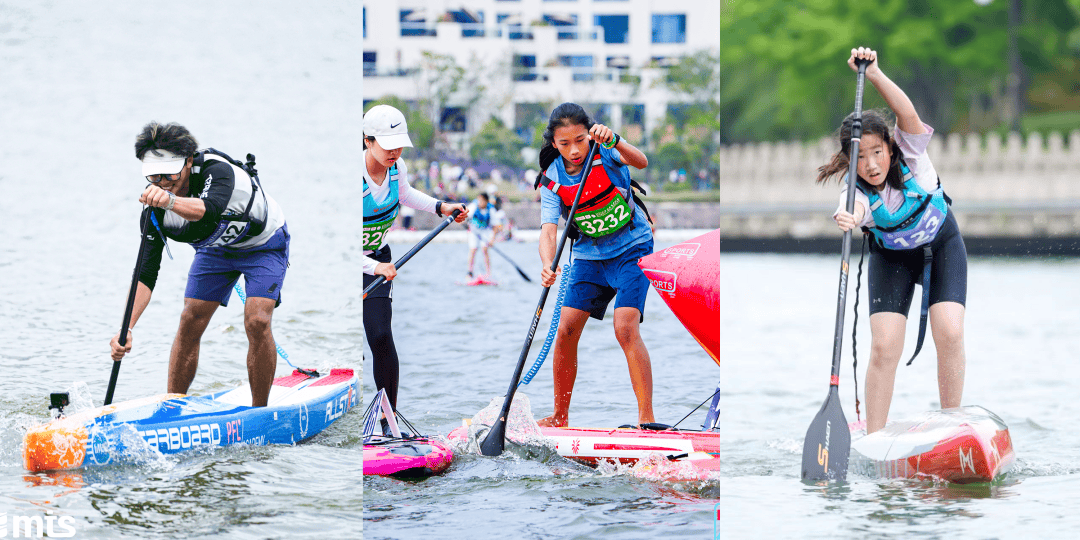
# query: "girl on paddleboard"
{"type": "Point", "coordinates": [386, 189]}
{"type": "Point", "coordinates": [915, 240]}
{"type": "Point", "coordinates": [613, 233]}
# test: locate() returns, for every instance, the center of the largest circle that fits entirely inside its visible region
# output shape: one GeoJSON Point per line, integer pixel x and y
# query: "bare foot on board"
{"type": "Point", "coordinates": [553, 421]}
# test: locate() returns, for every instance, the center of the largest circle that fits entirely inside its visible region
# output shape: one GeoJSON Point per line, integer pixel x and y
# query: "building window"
{"type": "Point", "coordinates": [414, 23]}
{"type": "Point", "coordinates": [472, 22]}
{"type": "Point", "coordinates": [563, 19]}
{"type": "Point", "coordinates": [665, 61]}
{"type": "Point", "coordinates": [616, 27]}
{"type": "Point", "coordinates": [582, 66]}
{"type": "Point", "coordinates": [452, 120]}
{"type": "Point", "coordinates": [369, 63]}
{"type": "Point", "coordinates": [524, 68]}
{"type": "Point", "coordinates": [669, 28]}
{"type": "Point", "coordinates": [515, 29]}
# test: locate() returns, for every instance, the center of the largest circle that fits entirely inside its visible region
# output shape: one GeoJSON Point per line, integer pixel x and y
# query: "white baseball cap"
{"type": "Point", "coordinates": [388, 126]}
{"type": "Point", "coordinates": [156, 161]}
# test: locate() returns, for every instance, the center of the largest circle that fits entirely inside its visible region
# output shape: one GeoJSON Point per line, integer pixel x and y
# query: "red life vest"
{"type": "Point", "coordinates": [603, 209]}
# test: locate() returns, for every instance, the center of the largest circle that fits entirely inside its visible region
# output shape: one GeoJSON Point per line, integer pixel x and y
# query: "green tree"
{"type": "Point", "coordinates": [498, 143]}
{"type": "Point", "coordinates": [783, 72]}
{"type": "Point", "coordinates": [689, 138]}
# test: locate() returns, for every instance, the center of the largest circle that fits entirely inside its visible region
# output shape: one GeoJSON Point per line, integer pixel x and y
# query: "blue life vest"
{"type": "Point", "coordinates": [916, 222]}
{"type": "Point", "coordinates": [378, 217]}
{"type": "Point", "coordinates": [481, 218]}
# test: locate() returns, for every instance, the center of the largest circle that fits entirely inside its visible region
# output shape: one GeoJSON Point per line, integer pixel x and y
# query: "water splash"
{"type": "Point", "coordinates": [522, 431]}
{"type": "Point", "coordinates": [80, 398]}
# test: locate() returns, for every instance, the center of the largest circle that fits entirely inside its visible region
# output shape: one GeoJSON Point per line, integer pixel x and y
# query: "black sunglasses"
{"type": "Point", "coordinates": [158, 178]}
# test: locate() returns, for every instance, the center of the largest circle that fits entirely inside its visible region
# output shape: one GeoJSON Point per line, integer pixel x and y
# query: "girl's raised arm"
{"type": "Point", "coordinates": [906, 118]}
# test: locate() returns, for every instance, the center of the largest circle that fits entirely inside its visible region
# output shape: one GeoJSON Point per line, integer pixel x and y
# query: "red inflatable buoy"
{"type": "Point", "coordinates": [687, 276]}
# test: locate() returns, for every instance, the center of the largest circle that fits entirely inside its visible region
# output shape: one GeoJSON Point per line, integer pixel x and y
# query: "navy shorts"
{"type": "Point", "coordinates": [594, 283]}
{"type": "Point", "coordinates": [215, 270]}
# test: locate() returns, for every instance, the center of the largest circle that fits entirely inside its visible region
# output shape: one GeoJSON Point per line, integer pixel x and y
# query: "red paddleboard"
{"type": "Point", "coordinates": [676, 455]}
{"type": "Point", "coordinates": [687, 276]}
{"type": "Point", "coordinates": [962, 445]}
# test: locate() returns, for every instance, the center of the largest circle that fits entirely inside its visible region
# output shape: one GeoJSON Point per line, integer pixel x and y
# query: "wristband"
{"type": "Point", "coordinates": [614, 141]}
{"type": "Point", "coordinates": [438, 208]}
{"type": "Point", "coordinates": [172, 201]}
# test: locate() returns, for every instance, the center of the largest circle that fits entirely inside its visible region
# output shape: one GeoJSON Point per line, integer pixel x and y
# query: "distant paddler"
{"type": "Point", "coordinates": [386, 189]}
{"type": "Point", "coordinates": [915, 239]}
{"type": "Point", "coordinates": [613, 233]}
{"type": "Point", "coordinates": [217, 204]}
{"type": "Point", "coordinates": [484, 227]}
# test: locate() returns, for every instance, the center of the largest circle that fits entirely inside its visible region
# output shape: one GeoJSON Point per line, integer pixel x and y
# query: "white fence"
{"type": "Point", "coordinates": [974, 169]}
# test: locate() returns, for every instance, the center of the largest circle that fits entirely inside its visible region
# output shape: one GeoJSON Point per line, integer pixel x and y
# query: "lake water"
{"type": "Point", "coordinates": [777, 329]}
{"type": "Point", "coordinates": [79, 81]}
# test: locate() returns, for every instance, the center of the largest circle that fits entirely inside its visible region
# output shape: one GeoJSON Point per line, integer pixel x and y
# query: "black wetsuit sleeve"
{"type": "Point", "coordinates": [218, 183]}
{"type": "Point", "coordinates": [151, 256]}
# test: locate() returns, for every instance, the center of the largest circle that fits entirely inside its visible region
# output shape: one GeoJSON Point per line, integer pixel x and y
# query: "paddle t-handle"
{"type": "Point", "coordinates": [419, 245]}
{"type": "Point", "coordinates": [495, 441]}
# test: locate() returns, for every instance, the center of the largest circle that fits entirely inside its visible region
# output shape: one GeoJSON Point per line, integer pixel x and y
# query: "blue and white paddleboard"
{"type": "Point", "coordinates": [300, 406]}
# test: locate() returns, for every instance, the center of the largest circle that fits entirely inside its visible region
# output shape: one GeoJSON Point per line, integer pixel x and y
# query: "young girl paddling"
{"type": "Point", "coordinates": [915, 236]}
{"type": "Point", "coordinates": [386, 189]}
{"type": "Point", "coordinates": [614, 234]}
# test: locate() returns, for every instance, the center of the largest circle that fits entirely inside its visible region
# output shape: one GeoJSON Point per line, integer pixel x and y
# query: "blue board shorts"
{"type": "Point", "coordinates": [215, 270]}
{"type": "Point", "coordinates": [594, 283]}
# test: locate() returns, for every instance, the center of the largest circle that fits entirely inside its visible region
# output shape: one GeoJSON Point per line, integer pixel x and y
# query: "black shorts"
{"type": "Point", "coordinates": [384, 290]}
{"type": "Point", "coordinates": [894, 273]}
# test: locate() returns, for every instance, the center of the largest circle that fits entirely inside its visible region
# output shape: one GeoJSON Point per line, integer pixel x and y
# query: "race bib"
{"type": "Point", "coordinates": [374, 234]}
{"type": "Point", "coordinates": [921, 234]}
{"type": "Point", "coordinates": [604, 221]}
{"type": "Point", "coordinates": [226, 234]}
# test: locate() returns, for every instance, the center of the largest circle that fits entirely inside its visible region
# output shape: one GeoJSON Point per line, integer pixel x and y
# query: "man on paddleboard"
{"type": "Point", "coordinates": [386, 190]}
{"type": "Point", "coordinates": [217, 204]}
{"type": "Point", "coordinates": [613, 233]}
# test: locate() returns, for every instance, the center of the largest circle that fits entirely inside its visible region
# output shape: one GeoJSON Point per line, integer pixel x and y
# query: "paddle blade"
{"type": "Point", "coordinates": [524, 275]}
{"type": "Point", "coordinates": [495, 442]}
{"type": "Point", "coordinates": [827, 443]}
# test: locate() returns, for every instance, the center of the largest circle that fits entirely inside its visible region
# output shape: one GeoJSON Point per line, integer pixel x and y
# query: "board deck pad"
{"type": "Point", "coordinates": [299, 407]}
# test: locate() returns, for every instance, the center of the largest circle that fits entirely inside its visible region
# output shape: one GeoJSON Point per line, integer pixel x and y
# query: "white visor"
{"type": "Point", "coordinates": [161, 162]}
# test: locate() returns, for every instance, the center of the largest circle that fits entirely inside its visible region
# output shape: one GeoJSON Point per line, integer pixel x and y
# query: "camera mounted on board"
{"type": "Point", "coordinates": [58, 400]}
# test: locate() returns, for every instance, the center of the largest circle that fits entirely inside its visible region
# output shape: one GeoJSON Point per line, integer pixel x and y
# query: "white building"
{"type": "Point", "coordinates": [529, 55]}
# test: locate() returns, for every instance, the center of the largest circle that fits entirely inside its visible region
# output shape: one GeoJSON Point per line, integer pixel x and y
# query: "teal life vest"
{"type": "Point", "coordinates": [916, 222]}
{"type": "Point", "coordinates": [378, 217]}
{"type": "Point", "coordinates": [481, 218]}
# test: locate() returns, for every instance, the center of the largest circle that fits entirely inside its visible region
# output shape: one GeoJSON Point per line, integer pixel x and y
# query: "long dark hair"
{"type": "Point", "coordinates": [567, 114]}
{"type": "Point", "coordinates": [874, 122]}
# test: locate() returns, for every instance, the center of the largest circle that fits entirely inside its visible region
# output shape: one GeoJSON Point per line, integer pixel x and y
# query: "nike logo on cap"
{"type": "Point", "coordinates": [392, 126]}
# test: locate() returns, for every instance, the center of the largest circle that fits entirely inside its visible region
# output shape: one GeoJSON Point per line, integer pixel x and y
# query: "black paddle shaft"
{"type": "Point", "coordinates": [828, 440]}
{"type": "Point", "coordinates": [495, 441]}
{"type": "Point", "coordinates": [419, 245]}
{"type": "Point", "coordinates": [143, 244]}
